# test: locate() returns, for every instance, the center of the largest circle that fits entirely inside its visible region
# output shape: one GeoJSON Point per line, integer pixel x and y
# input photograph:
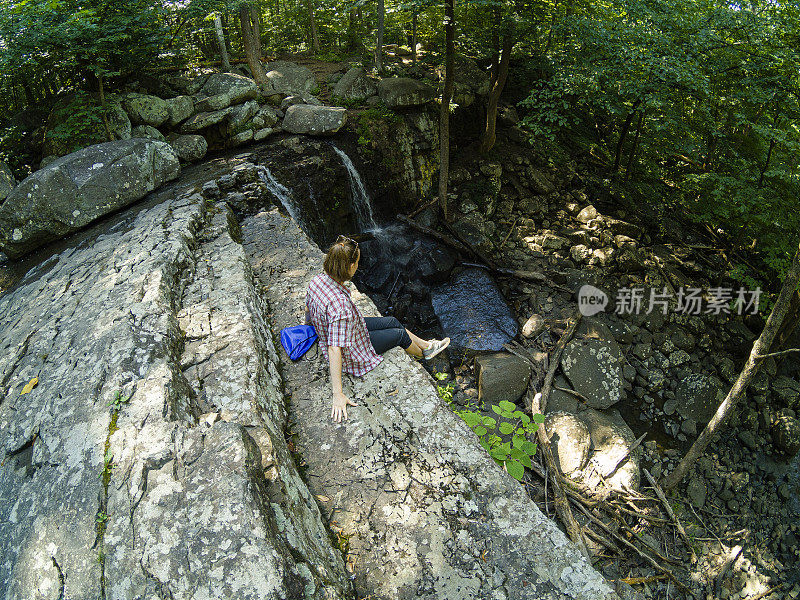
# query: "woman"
{"type": "Point", "coordinates": [349, 341]}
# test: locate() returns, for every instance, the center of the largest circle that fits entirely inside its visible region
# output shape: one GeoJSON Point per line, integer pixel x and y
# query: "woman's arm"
{"type": "Point", "coordinates": [340, 401]}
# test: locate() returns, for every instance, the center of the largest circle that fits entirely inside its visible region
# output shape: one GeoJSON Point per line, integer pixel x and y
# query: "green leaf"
{"type": "Point", "coordinates": [498, 453]}
{"type": "Point", "coordinates": [515, 469]}
{"type": "Point", "coordinates": [497, 409]}
{"type": "Point", "coordinates": [470, 418]}
{"type": "Point", "coordinates": [506, 428]}
{"type": "Point", "coordinates": [537, 418]}
{"type": "Point", "coordinates": [529, 448]}
{"type": "Point", "coordinates": [480, 431]}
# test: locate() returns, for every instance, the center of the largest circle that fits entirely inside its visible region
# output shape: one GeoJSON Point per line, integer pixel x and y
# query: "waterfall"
{"type": "Point", "coordinates": [281, 192]}
{"type": "Point", "coordinates": [361, 203]}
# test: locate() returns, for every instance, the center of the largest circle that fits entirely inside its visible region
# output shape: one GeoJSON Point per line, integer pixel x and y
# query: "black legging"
{"type": "Point", "coordinates": [386, 333]}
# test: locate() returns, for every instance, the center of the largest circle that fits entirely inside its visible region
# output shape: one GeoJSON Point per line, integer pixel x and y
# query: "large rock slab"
{"type": "Point", "coordinates": [79, 188]}
{"type": "Point", "coordinates": [7, 181]}
{"type": "Point", "coordinates": [290, 78]}
{"type": "Point", "coordinates": [355, 85]}
{"type": "Point", "coordinates": [404, 92]}
{"type": "Point", "coordinates": [189, 148]}
{"type": "Point", "coordinates": [594, 368]}
{"type": "Point", "coordinates": [473, 313]}
{"type": "Point", "coordinates": [314, 120]}
{"type": "Point", "coordinates": [426, 512]}
{"type": "Point", "coordinates": [200, 497]}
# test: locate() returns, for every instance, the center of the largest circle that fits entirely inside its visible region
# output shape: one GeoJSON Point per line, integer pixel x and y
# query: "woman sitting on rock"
{"type": "Point", "coordinates": [349, 341]}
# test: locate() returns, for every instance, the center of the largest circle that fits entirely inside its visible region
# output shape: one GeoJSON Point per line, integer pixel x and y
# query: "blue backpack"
{"type": "Point", "coordinates": [298, 339]}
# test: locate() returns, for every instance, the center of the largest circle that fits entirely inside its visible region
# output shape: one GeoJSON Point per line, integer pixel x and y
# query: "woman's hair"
{"type": "Point", "coordinates": [340, 258]}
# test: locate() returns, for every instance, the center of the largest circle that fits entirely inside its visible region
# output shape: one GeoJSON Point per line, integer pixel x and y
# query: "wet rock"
{"type": "Point", "coordinates": [786, 434]}
{"type": "Point", "coordinates": [501, 376]}
{"type": "Point", "coordinates": [314, 120]}
{"type": "Point", "coordinates": [76, 189]}
{"type": "Point", "coordinates": [569, 440]}
{"type": "Point", "coordinates": [473, 313]}
{"type": "Point", "coordinates": [290, 78]}
{"type": "Point", "coordinates": [403, 92]}
{"type": "Point", "coordinates": [145, 110]}
{"type": "Point", "coordinates": [354, 86]}
{"type": "Point", "coordinates": [593, 367]}
{"type": "Point", "coordinates": [698, 396]}
{"type": "Point", "coordinates": [434, 265]}
{"type": "Point", "coordinates": [7, 181]}
{"type": "Point", "coordinates": [190, 148]}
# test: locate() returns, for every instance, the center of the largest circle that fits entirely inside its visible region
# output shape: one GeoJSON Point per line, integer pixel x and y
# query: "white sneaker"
{"type": "Point", "coordinates": [435, 348]}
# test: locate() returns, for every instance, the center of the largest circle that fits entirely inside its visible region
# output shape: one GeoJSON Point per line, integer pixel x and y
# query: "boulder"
{"type": "Point", "coordinates": [299, 99]}
{"type": "Point", "coordinates": [473, 313]}
{"type": "Point", "coordinates": [787, 389]}
{"type": "Point", "coordinates": [7, 181]}
{"type": "Point", "coordinates": [76, 189]}
{"type": "Point", "coordinates": [698, 396]}
{"type": "Point", "coordinates": [475, 229]}
{"type": "Point", "coordinates": [314, 120]}
{"type": "Point", "coordinates": [240, 116]}
{"type": "Point", "coordinates": [355, 86]}
{"type": "Point", "coordinates": [786, 434]}
{"type": "Point", "coordinates": [403, 92]}
{"type": "Point", "coordinates": [265, 117]}
{"type": "Point", "coordinates": [236, 88]}
{"type": "Point", "coordinates": [611, 441]}
{"type": "Point", "coordinates": [205, 119]}
{"type": "Point", "coordinates": [212, 103]}
{"type": "Point", "coordinates": [569, 440]}
{"type": "Point", "coordinates": [63, 135]}
{"type": "Point", "coordinates": [147, 132]}
{"type": "Point", "coordinates": [290, 78]}
{"type": "Point", "coordinates": [501, 376]}
{"type": "Point", "coordinates": [469, 81]}
{"type": "Point", "coordinates": [587, 214]}
{"type": "Point", "coordinates": [432, 263]}
{"type": "Point", "coordinates": [146, 110]}
{"type": "Point", "coordinates": [594, 368]}
{"type": "Point", "coordinates": [189, 147]}
{"type": "Point", "coordinates": [180, 108]}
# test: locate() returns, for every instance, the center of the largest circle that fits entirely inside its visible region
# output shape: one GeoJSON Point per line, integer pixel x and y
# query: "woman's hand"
{"type": "Point", "coordinates": [340, 403]}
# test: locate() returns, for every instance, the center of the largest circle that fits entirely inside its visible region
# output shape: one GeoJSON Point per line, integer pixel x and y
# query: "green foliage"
{"type": "Point", "coordinates": [506, 438]}
{"type": "Point", "coordinates": [119, 400]}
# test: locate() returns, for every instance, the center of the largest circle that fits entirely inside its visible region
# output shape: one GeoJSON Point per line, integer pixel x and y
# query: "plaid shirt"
{"type": "Point", "coordinates": [339, 323]}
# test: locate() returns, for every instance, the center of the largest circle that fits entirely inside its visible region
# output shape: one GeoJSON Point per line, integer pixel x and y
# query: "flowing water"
{"type": "Point", "coordinates": [362, 207]}
{"type": "Point", "coordinates": [281, 192]}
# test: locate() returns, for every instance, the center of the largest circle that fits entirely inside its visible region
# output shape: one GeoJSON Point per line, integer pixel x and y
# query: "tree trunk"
{"type": "Point", "coordinates": [414, 38]}
{"type": "Point", "coordinates": [494, 96]}
{"type": "Point", "coordinates": [379, 42]}
{"type": "Point", "coordinates": [622, 135]}
{"type": "Point", "coordinates": [314, 34]}
{"type": "Point", "coordinates": [766, 163]}
{"type": "Point", "coordinates": [444, 112]}
{"type": "Point", "coordinates": [255, 15]}
{"type": "Point", "coordinates": [354, 43]}
{"type": "Point", "coordinates": [629, 166]}
{"type": "Point", "coordinates": [223, 50]}
{"type": "Point", "coordinates": [760, 348]}
{"type": "Point", "coordinates": [252, 45]}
